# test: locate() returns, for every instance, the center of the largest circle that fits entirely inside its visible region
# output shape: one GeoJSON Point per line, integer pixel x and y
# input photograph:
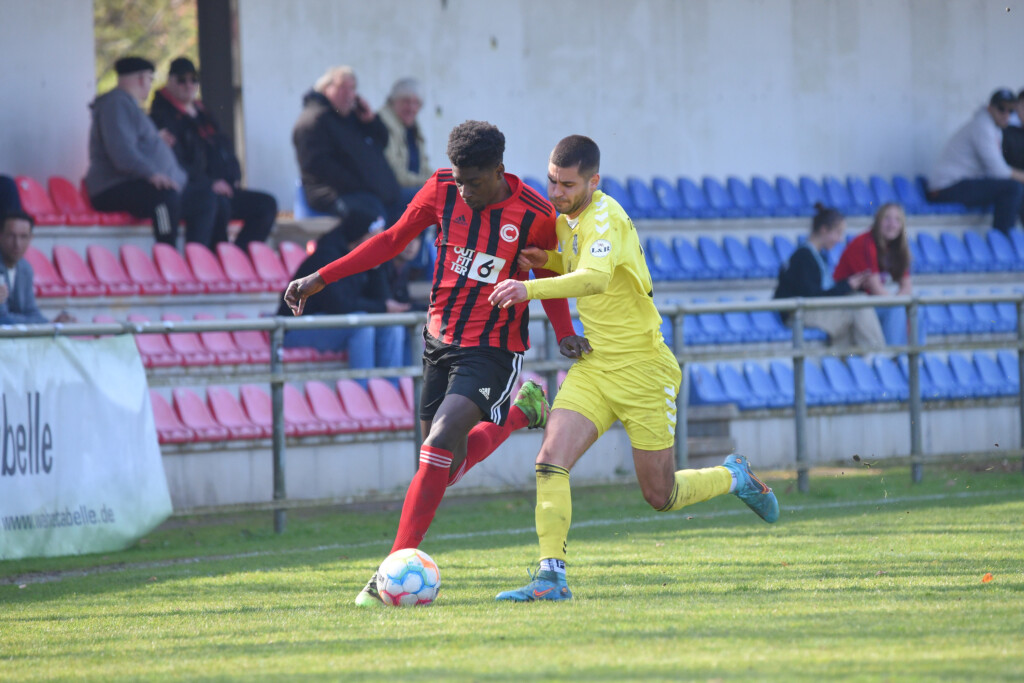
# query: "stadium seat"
{"type": "Point", "coordinates": [837, 195]}
{"type": "Point", "coordinates": [917, 263]}
{"type": "Point", "coordinates": [36, 202]}
{"type": "Point", "coordinates": [784, 248]}
{"type": "Point", "coordinates": [239, 270]}
{"type": "Point", "coordinates": [195, 415]}
{"type": "Point", "coordinates": [716, 259]}
{"type": "Point", "coordinates": [75, 273]}
{"type": "Point", "coordinates": [892, 380]}
{"type": "Point", "coordinates": [46, 280]}
{"type": "Point", "coordinates": [929, 392]}
{"type": "Point", "coordinates": [407, 386]}
{"type": "Point", "coordinates": [705, 389]}
{"type": "Point", "coordinates": [861, 194]}
{"type": "Point", "coordinates": [713, 326]}
{"type": "Point", "coordinates": [1007, 312]}
{"type": "Point", "coordinates": [1003, 254]}
{"type": "Point", "coordinates": [1010, 365]}
{"type": "Point", "coordinates": [812, 192]}
{"type": "Point", "coordinates": [959, 259]}
{"type": "Point", "coordinates": [536, 184]}
{"type": "Point", "coordinates": [910, 196]}
{"type": "Point", "coordinates": [866, 379]}
{"type": "Point", "coordinates": [109, 271]}
{"type": "Point", "coordinates": [155, 348]}
{"type": "Point", "coordinates": [389, 402]}
{"type": "Point", "coordinates": [743, 198]}
{"type": "Point", "coordinates": [966, 374]}
{"type": "Point", "coordinates": [228, 412]}
{"type": "Point", "coordinates": [299, 415]}
{"type": "Point", "coordinates": [980, 253]}
{"type": "Point", "coordinates": [736, 388]}
{"type": "Point", "coordinates": [257, 404]}
{"type": "Point", "coordinates": [326, 407]}
{"type": "Point", "coordinates": [719, 199]}
{"type": "Point", "coordinates": [740, 324]}
{"type": "Point", "coordinates": [938, 321]}
{"type": "Point", "coordinates": [668, 198]}
{"type": "Point", "coordinates": [964, 318]}
{"type": "Point", "coordinates": [292, 255]}
{"type": "Point", "coordinates": [792, 198]}
{"type": "Point", "coordinates": [991, 374]}
{"type": "Point", "coordinates": [1017, 240]}
{"type": "Point", "coordinates": [694, 199]}
{"type": "Point", "coordinates": [208, 270]}
{"type": "Point", "coordinates": [143, 272]}
{"type": "Point", "coordinates": [222, 345]}
{"type": "Point", "coordinates": [68, 201]}
{"type": "Point", "coordinates": [988, 314]}
{"type": "Point", "coordinates": [690, 260]}
{"type": "Point", "coordinates": [169, 427]}
{"type": "Point", "coordinates": [943, 379]}
{"type": "Point", "coordinates": [301, 208]}
{"type": "Point", "coordinates": [615, 189]}
{"type": "Point", "coordinates": [360, 407]}
{"type": "Point", "coordinates": [644, 199]}
{"type": "Point", "coordinates": [934, 254]}
{"type": "Point", "coordinates": [252, 342]}
{"type": "Point", "coordinates": [765, 258]}
{"type": "Point", "coordinates": [819, 390]}
{"type": "Point", "coordinates": [175, 270]}
{"type": "Point", "coordinates": [269, 267]}
{"type": "Point", "coordinates": [743, 260]}
{"type": "Point", "coordinates": [767, 197]}
{"type": "Point", "coordinates": [762, 385]}
{"type": "Point", "coordinates": [663, 263]}
{"type": "Point", "coordinates": [841, 379]}
{"type": "Point", "coordinates": [117, 218]}
{"type": "Point", "coordinates": [188, 344]}
{"type": "Point", "coordinates": [769, 324]}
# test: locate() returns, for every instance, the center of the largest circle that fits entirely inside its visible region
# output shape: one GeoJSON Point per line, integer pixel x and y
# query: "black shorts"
{"type": "Point", "coordinates": [485, 375]}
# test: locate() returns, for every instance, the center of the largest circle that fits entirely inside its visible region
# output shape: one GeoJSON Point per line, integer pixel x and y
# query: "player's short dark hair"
{"type": "Point", "coordinates": [476, 144]}
{"type": "Point", "coordinates": [577, 150]}
{"type": "Point", "coordinates": [16, 215]}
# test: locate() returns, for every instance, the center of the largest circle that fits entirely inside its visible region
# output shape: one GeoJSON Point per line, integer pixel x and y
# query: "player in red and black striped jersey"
{"type": "Point", "coordinates": [474, 351]}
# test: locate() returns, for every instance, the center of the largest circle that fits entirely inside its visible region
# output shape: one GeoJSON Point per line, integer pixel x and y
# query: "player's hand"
{"type": "Point", "coordinates": [167, 136]}
{"type": "Point", "coordinates": [574, 346]}
{"type": "Point", "coordinates": [163, 182]}
{"type": "Point", "coordinates": [300, 290]}
{"type": "Point", "coordinates": [532, 257]}
{"type": "Point", "coordinates": [223, 188]}
{"type": "Point", "coordinates": [507, 293]}
{"type": "Point", "coordinates": [857, 279]}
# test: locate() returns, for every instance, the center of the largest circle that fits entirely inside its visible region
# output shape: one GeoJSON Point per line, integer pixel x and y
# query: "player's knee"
{"type": "Point", "coordinates": [656, 496]}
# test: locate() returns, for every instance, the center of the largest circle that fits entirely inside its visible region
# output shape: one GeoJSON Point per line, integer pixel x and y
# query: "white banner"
{"type": "Point", "coordinates": [80, 467]}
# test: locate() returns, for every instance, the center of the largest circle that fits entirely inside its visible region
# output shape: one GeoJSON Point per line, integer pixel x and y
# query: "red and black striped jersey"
{"type": "Point", "coordinates": [475, 250]}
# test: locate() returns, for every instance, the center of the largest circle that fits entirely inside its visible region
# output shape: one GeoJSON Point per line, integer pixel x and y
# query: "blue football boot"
{"type": "Point", "coordinates": [545, 585]}
{"type": "Point", "coordinates": [752, 490]}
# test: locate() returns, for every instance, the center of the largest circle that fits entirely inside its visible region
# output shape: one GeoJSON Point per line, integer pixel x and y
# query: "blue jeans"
{"type": "Point", "coordinates": [894, 325]}
{"type": "Point", "coordinates": [1005, 196]}
{"type": "Point", "coordinates": [367, 347]}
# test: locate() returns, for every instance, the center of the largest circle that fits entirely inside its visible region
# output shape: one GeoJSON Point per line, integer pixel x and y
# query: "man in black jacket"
{"type": "Point", "coordinates": [339, 143]}
{"type": "Point", "coordinates": [208, 158]}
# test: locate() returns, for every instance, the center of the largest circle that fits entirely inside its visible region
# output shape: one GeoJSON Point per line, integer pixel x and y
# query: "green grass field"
{"type": "Point", "coordinates": [867, 577]}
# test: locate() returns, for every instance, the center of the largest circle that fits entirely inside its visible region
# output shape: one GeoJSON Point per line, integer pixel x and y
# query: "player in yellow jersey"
{"type": "Point", "coordinates": [624, 371]}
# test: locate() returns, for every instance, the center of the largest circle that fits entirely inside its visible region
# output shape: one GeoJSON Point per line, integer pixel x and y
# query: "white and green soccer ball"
{"type": "Point", "coordinates": [408, 577]}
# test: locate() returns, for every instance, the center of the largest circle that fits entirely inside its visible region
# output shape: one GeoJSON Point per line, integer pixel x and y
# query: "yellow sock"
{"type": "Point", "coordinates": [554, 510]}
{"type": "Point", "coordinates": [694, 486]}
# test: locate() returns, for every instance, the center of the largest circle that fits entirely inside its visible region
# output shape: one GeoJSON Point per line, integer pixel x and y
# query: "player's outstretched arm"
{"type": "Point", "coordinates": [300, 290]}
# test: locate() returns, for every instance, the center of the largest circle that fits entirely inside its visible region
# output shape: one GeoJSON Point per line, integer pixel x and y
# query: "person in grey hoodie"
{"type": "Point", "coordinates": [131, 167]}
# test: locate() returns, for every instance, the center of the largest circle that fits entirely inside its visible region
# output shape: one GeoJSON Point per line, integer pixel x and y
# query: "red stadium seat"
{"type": "Point", "coordinates": [37, 203]}
{"type": "Point", "coordinates": [196, 416]}
{"type": "Point", "coordinates": [359, 406]}
{"type": "Point", "coordinates": [389, 402]}
{"type": "Point", "coordinates": [268, 266]}
{"type": "Point", "coordinates": [253, 342]}
{"type": "Point", "coordinates": [222, 345]}
{"type": "Point", "coordinates": [68, 200]}
{"type": "Point", "coordinates": [142, 272]}
{"type": "Point", "coordinates": [188, 344]}
{"type": "Point", "coordinates": [257, 406]}
{"type": "Point", "coordinates": [111, 217]}
{"type": "Point", "coordinates": [175, 271]}
{"type": "Point", "coordinates": [406, 383]}
{"type": "Point", "coordinates": [74, 272]}
{"type": "Point", "coordinates": [207, 269]}
{"type": "Point", "coordinates": [169, 428]}
{"type": "Point", "coordinates": [298, 413]}
{"type": "Point", "coordinates": [110, 272]}
{"type": "Point", "coordinates": [292, 254]}
{"type": "Point", "coordinates": [238, 269]}
{"type": "Point", "coordinates": [327, 408]}
{"type": "Point", "coordinates": [155, 349]}
{"type": "Point", "coordinates": [46, 281]}
{"type": "Point", "coordinates": [229, 413]}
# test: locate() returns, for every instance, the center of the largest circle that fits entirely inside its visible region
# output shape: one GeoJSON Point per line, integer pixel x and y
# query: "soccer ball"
{"type": "Point", "coordinates": [408, 577]}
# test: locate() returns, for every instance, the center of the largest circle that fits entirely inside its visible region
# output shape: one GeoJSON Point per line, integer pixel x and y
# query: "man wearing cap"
{"type": "Point", "coordinates": [405, 151]}
{"type": "Point", "coordinates": [210, 162]}
{"type": "Point", "coordinates": [972, 170]}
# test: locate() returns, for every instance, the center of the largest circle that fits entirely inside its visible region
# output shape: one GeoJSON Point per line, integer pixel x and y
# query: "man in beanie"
{"type": "Point", "coordinates": [131, 168]}
{"type": "Point", "coordinates": [209, 159]}
{"type": "Point", "coordinates": [971, 169]}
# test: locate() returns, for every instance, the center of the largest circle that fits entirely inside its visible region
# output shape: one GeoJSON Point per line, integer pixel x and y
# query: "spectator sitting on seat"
{"type": "Point", "coordinates": [972, 170]}
{"type": "Point", "coordinates": [17, 286]}
{"type": "Point", "coordinates": [405, 151]}
{"type": "Point", "coordinates": [806, 275]}
{"type": "Point", "coordinates": [339, 143]}
{"type": "Point", "coordinates": [367, 292]}
{"type": "Point", "coordinates": [208, 158]}
{"type": "Point", "coordinates": [1013, 136]}
{"type": "Point", "coordinates": [9, 199]}
{"type": "Point", "coordinates": [131, 168]}
{"type": "Point", "coordinates": [882, 252]}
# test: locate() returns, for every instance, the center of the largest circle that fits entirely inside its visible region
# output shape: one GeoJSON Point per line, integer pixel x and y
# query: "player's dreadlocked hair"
{"type": "Point", "coordinates": [577, 150]}
{"type": "Point", "coordinates": [476, 144]}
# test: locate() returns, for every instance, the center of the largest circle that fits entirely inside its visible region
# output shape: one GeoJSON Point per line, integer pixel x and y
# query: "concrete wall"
{"type": "Point", "coordinates": [46, 48]}
{"type": "Point", "coordinates": [665, 86]}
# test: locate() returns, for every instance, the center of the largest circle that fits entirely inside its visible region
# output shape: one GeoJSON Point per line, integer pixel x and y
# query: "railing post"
{"type": "Point", "coordinates": [277, 405]}
{"type": "Point", "coordinates": [800, 399]}
{"type": "Point", "coordinates": [914, 363]}
{"type": "Point", "coordinates": [1020, 370]}
{"type": "Point", "coordinates": [416, 351]}
{"type": "Point", "coordinates": [683, 397]}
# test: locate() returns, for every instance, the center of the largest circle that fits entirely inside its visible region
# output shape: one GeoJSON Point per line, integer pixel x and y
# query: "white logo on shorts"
{"type": "Point", "coordinates": [486, 391]}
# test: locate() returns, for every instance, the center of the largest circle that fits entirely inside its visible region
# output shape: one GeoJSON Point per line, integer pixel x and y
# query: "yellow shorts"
{"type": "Point", "coordinates": [641, 395]}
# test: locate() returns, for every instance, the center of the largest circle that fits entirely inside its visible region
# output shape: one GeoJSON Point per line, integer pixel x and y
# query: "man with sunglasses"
{"type": "Point", "coordinates": [972, 170]}
{"type": "Point", "coordinates": [209, 159]}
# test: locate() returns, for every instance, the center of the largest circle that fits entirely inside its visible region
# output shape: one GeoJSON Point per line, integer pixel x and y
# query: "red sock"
{"type": "Point", "coordinates": [424, 495]}
{"type": "Point", "coordinates": [485, 438]}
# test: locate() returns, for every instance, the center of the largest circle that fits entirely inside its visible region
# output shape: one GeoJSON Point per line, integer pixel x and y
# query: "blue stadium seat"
{"type": "Point", "coordinates": [743, 198]}
{"type": "Point", "coordinates": [739, 323]}
{"type": "Point", "coordinates": [929, 392]}
{"type": "Point", "coordinates": [917, 263]}
{"type": "Point", "coordinates": [690, 260]}
{"type": "Point", "coordinates": [1003, 253]}
{"type": "Point", "coordinates": [819, 386]}
{"type": "Point", "coordinates": [943, 379]}
{"type": "Point", "coordinates": [1007, 312]}
{"type": "Point", "coordinates": [909, 195]}
{"type": "Point", "coordinates": [933, 254]}
{"type": "Point", "coordinates": [1010, 366]}
{"type": "Point", "coordinates": [536, 184]}
{"type": "Point", "coordinates": [769, 324]}
{"type": "Point", "coordinates": [705, 389]}
{"type": "Point", "coordinates": [737, 389]}
{"type": "Point", "coordinates": [987, 312]}
{"type": "Point", "coordinates": [719, 199]}
{"type": "Point", "coordinates": [694, 200]}
{"type": "Point", "coordinates": [866, 379]}
{"type": "Point", "coordinates": [784, 248]}
{"type": "Point", "coordinates": [938, 321]}
{"type": "Point", "coordinates": [764, 256]}
{"type": "Point", "coordinates": [959, 259]}
{"type": "Point", "coordinates": [948, 207]}
{"type": "Point", "coordinates": [893, 381]}
{"type": "Point", "coordinates": [617, 191]}
{"type": "Point", "coordinates": [963, 317]}
{"type": "Point", "coordinates": [716, 259]}
{"type": "Point", "coordinates": [1017, 240]}
{"type": "Point", "coordinates": [662, 261]}
{"type": "Point", "coordinates": [992, 374]}
{"type": "Point", "coordinates": [842, 381]}
{"type": "Point", "coordinates": [763, 386]}
{"type": "Point", "coordinates": [767, 197]}
{"type": "Point", "coordinates": [981, 253]}
{"type": "Point", "coordinates": [742, 259]}
{"type": "Point", "coordinates": [812, 192]}
{"type": "Point", "coordinates": [838, 196]}
{"type": "Point", "coordinates": [714, 326]}
{"type": "Point", "coordinates": [861, 194]}
{"type": "Point", "coordinates": [300, 208]}
{"type": "Point", "coordinates": [882, 190]}
{"type": "Point", "coordinates": [644, 199]}
{"type": "Point", "coordinates": [669, 199]}
{"type": "Point", "coordinates": [966, 375]}
{"type": "Point", "coordinates": [792, 198]}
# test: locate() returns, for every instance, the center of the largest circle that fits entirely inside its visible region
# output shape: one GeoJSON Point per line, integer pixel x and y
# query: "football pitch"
{"type": "Point", "coordinates": [867, 577]}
